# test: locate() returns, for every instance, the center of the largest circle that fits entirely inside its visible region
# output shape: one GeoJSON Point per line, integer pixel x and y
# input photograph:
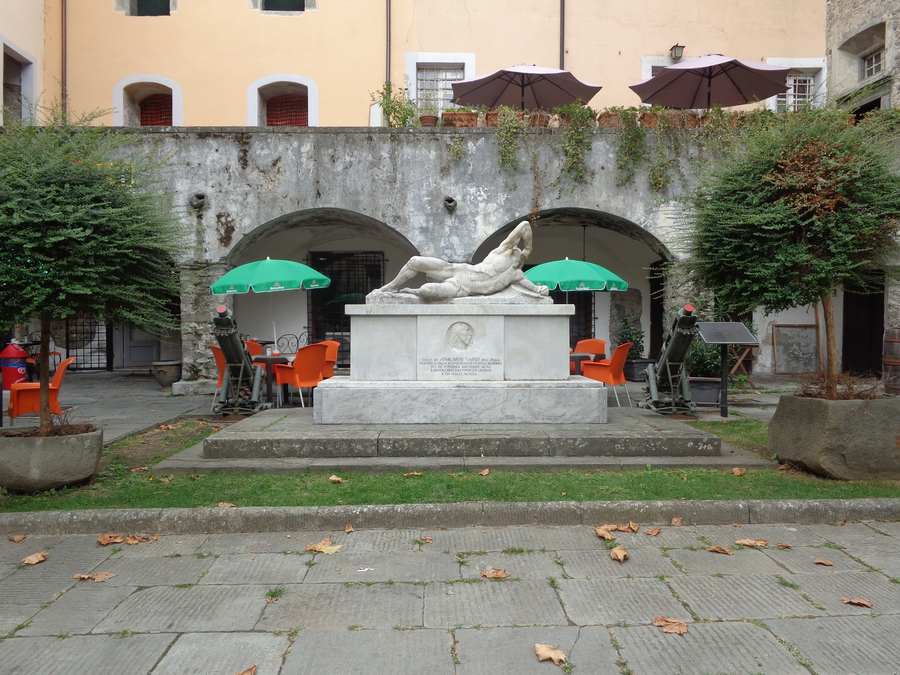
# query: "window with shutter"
{"type": "Point", "coordinates": [434, 83]}
{"type": "Point", "coordinates": [150, 7]}
{"type": "Point", "coordinates": [156, 110]}
{"type": "Point", "coordinates": [799, 95]}
{"type": "Point", "coordinates": [287, 110]}
{"type": "Point", "coordinates": [873, 64]}
{"type": "Point", "coordinates": [283, 5]}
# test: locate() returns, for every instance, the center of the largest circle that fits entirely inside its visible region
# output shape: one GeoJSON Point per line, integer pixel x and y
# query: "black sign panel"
{"type": "Point", "coordinates": [726, 333]}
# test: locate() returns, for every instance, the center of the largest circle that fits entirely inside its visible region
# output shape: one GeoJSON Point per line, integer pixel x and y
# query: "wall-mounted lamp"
{"type": "Point", "coordinates": [676, 51]}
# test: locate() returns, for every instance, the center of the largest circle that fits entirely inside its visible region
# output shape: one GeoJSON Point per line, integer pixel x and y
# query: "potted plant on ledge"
{"type": "Point", "coordinates": [82, 230]}
{"type": "Point", "coordinates": [803, 204]}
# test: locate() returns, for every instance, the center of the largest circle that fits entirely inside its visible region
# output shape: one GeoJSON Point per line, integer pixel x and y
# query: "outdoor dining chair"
{"type": "Point", "coordinates": [610, 371]}
{"type": "Point", "coordinates": [305, 372]}
{"type": "Point", "coordinates": [25, 397]}
{"type": "Point", "coordinates": [221, 365]}
{"type": "Point", "coordinates": [331, 357]}
{"type": "Point", "coordinates": [594, 346]}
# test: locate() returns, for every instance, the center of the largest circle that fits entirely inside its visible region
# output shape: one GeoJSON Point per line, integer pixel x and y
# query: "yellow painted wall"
{"type": "Point", "coordinates": [22, 31]}
{"type": "Point", "coordinates": [214, 49]}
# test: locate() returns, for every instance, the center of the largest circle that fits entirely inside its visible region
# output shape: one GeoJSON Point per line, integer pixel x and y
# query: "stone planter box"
{"type": "Point", "coordinates": [705, 390]}
{"type": "Point", "coordinates": [34, 463]}
{"type": "Point", "coordinates": [634, 369]}
{"type": "Point", "coordinates": [851, 440]}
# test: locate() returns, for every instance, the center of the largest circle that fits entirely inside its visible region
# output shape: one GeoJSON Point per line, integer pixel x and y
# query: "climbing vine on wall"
{"type": "Point", "coordinates": [510, 129]}
{"type": "Point", "coordinates": [577, 135]}
{"type": "Point", "coordinates": [631, 146]}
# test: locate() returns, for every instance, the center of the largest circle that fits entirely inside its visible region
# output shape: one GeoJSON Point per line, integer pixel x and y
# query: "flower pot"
{"type": "Point", "coordinates": [459, 119]}
{"type": "Point", "coordinates": [850, 440]}
{"type": "Point", "coordinates": [609, 120]}
{"type": "Point", "coordinates": [538, 118]}
{"type": "Point", "coordinates": [492, 117]}
{"type": "Point", "coordinates": [34, 463]}
{"type": "Point", "coordinates": [166, 372]}
{"type": "Point", "coordinates": [705, 390]}
{"type": "Point", "coordinates": [428, 120]}
{"type": "Point", "coordinates": [634, 369]}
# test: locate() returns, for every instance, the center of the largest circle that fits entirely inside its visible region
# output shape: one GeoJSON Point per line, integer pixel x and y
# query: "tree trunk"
{"type": "Point", "coordinates": [831, 372]}
{"type": "Point", "coordinates": [44, 371]}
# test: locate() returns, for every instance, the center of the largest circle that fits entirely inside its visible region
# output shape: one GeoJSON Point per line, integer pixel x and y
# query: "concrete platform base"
{"type": "Point", "coordinates": [292, 433]}
{"type": "Point", "coordinates": [577, 400]}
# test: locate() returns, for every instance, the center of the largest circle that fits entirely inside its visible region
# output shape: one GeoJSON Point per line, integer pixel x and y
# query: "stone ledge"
{"type": "Point", "coordinates": [460, 514]}
{"type": "Point", "coordinates": [193, 387]}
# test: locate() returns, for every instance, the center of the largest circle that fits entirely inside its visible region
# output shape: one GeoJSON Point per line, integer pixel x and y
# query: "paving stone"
{"type": "Point", "coordinates": [499, 650]}
{"type": "Point", "coordinates": [855, 534]}
{"type": "Point", "coordinates": [94, 654]}
{"type": "Point", "coordinates": [387, 541]}
{"type": "Point", "coordinates": [887, 562]}
{"type": "Point", "coordinates": [156, 571]}
{"type": "Point", "coordinates": [184, 610]}
{"type": "Point", "coordinates": [367, 567]}
{"type": "Point", "coordinates": [265, 542]}
{"type": "Point", "coordinates": [13, 616]}
{"type": "Point", "coordinates": [802, 560]}
{"type": "Point", "coordinates": [527, 537]}
{"type": "Point", "coordinates": [339, 606]}
{"type": "Point", "coordinates": [736, 597]}
{"type": "Point", "coordinates": [166, 546]}
{"type": "Point", "coordinates": [795, 535]}
{"type": "Point", "coordinates": [25, 589]}
{"type": "Point", "coordinates": [742, 561]}
{"type": "Point", "coordinates": [846, 644]}
{"type": "Point", "coordinates": [642, 562]}
{"type": "Point", "coordinates": [394, 652]}
{"type": "Point", "coordinates": [612, 601]}
{"type": "Point", "coordinates": [11, 553]}
{"type": "Point", "coordinates": [828, 590]}
{"type": "Point", "coordinates": [892, 529]}
{"type": "Point", "coordinates": [669, 537]}
{"type": "Point", "coordinates": [6, 569]}
{"type": "Point", "coordinates": [705, 648]}
{"type": "Point", "coordinates": [78, 610]}
{"type": "Point", "coordinates": [258, 568]}
{"type": "Point", "coordinates": [519, 565]}
{"type": "Point", "coordinates": [203, 653]}
{"type": "Point", "coordinates": [492, 603]}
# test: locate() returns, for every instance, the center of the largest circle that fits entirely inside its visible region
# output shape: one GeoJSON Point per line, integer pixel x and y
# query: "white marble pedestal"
{"type": "Point", "coordinates": [459, 363]}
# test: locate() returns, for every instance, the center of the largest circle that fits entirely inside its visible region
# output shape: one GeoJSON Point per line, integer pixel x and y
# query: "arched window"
{"type": "Point", "coordinates": [156, 110]}
{"type": "Point", "coordinates": [284, 104]}
{"type": "Point", "coordinates": [140, 102]}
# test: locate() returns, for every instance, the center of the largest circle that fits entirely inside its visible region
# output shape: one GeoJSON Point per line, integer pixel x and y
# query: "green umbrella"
{"type": "Point", "coordinates": [268, 276]}
{"type": "Point", "coordinates": [575, 275]}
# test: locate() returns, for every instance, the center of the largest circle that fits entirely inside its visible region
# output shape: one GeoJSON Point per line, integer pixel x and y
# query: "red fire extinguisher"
{"type": "Point", "coordinates": [12, 362]}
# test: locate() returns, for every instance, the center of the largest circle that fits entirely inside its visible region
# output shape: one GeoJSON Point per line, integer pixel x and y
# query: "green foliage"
{"type": "Point", "coordinates": [805, 203]}
{"type": "Point", "coordinates": [631, 331]}
{"type": "Point", "coordinates": [576, 139]}
{"type": "Point", "coordinates": [631, 145]}
{"type": "Point", "coordinates": [666, 149]}
{"type": "Point", "coordinates": [396, 108]}
{"type": "Point", "coordinates": [457, 148]}
{"type": "Point", "coordinates": [703, 360]}
{"type": "Point", "coordinates": [83, 227]}
{"type": "Point", "coordinates": [510, 128]}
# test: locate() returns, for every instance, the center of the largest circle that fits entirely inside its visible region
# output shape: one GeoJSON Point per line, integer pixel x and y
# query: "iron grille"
{"type": "Point", "coordinates": [88, 340]}
{"type": "Point", "coordinates": [353, 275]}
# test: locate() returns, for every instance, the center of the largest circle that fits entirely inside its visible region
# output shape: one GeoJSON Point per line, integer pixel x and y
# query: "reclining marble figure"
{"type": "Point", "coordinates": [500, 270]}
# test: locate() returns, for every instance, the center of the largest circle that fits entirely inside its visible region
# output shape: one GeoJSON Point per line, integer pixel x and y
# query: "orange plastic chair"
{"type": "Point", "coordinates": [306, 371]}
{"type": "Point", "coordinates": [25, 397]}
{"type": "Point", "coordinates": [590, 346]}
{"type": "Point", "coordinates": [221, 365]}
{"type": "Point", "coordinates": [254, 349]}
{"type": "Point", "coordinates": [610, 371]}
{"type": "Point", "coordinates": [331, 357]}
{"type": "Point", "coordinates": [55, 359]}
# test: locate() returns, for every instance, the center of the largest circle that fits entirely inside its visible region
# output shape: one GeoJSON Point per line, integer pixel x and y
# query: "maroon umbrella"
{"type": "Point", "coordinates": [531, 87]}
{"type": "Point", "coordinates": [712, 80]}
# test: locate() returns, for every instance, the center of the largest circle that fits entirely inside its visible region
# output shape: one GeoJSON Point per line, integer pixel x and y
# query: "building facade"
{"type": "Point", "coordinates": [23, 49]}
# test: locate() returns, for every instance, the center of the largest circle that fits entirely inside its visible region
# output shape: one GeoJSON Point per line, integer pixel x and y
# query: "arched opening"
{"type": "Point", "coordinates": [147, 102]}
{"type": "Point", "coordinates": [615, 243]}
{"type": "Point", "coordinates": [357, 252]}
{"type": "Point", "coordinates": [284, 104]}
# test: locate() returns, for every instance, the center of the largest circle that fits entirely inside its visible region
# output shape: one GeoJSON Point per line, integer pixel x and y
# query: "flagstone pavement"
{"type": "Point", "coordinates": [411, 601]}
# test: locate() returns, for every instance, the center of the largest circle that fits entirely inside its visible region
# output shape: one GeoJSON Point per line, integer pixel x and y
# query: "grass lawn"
{"type": "Point", "coordinates": [118, 487]}
{"type": "Point", "coordinates": [742, 432]}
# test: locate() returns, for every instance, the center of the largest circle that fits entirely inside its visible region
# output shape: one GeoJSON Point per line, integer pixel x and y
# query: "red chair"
{"type": "Point", "coordinates": [593, 346]}
{"type": "Point", "coordinates": [221, 365]}
{"type": "Point", "coordinates": [331, 357]}
{"type": "Point", "coordinates": [25, 397]}
{"type": "Point", "coordinates": [610, 371]}
{"type": "Point", "coordinates": [306, 371]}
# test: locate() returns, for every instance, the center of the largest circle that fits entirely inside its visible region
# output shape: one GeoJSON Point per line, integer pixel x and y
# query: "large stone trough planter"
{"type": "Point", "coordinates": [851, 440]}
{"type": "Point", "coordinates": [34, 463]}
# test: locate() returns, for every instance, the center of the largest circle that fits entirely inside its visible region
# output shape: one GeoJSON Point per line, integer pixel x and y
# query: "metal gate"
{"type": "Point", "coordinates": [353, 275]}
{"type": "Point", "coordinates": [89, 340]}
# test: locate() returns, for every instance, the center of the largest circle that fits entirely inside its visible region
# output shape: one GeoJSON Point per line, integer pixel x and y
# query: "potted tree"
{"type": "Point", "coordinates": [83, 230]}
{"type": "Point", "coordinates": [635, 363]}
{"type": "Point", "coordinates": [705, 373]}
{"type": "Point", "coordinates": [428, 110]}
{"type": "Point", "coordinates": [803, 204]}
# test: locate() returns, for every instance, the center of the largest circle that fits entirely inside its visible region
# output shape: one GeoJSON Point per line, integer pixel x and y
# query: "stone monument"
{"type": "Point", "coordinates": [476, 343]}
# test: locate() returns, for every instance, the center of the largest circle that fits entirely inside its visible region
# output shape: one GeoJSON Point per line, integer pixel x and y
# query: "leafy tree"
{"type": "Point", "coordinates": [83, 229]}
{"type": "Point", "coordinates": [805, 203]}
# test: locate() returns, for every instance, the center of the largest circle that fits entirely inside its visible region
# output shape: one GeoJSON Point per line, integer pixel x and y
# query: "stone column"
{"type": "Point", "coordinates": [197, 307]}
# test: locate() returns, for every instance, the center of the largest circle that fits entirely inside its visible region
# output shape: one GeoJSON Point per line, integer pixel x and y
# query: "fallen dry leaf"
{"type": "Point", "coordinates": [250, 671]}
{"type": "Point", "coordinates": [225, 505]}
{"type": "Point", "coordinates": [97, 577]}
{"type": "Point", "coordinates": [108, 538]}
{"type": "Point", "coordinates": [35, 558]}
{"type": "Point", "coordinates": [719, 549]}
{"type": "Point", "coordinates": [752, 543]}
{"type": "Point", "coordinates": [412, 474]}
{"type": "Point", "coordinates": [484, 472]}
{"type": "Point", "coordinates": [653, 531]}
{"type": "Point", "coordinates": [324, 546]}
{"type": "Point", "coordinates": [495, 573]}
{"type": "Point", "coordinates": [166, 427]}
{"type": "Point", "coordinates": [631, 526]}
{"type": "Point", "coordinates": [135, 539]}
{"type": "Point", "coordinates": [603, 533]}
{"type": "Point", "coordinates": [138, 469]}
{"type": "Point", "coordinates": [426, 540]}
{"type": "Point", "coordinates": [824, 563]}
{"type": "Point", "coordinates": [335, 479]}
{"type": "Point", "coordinates": [619, 554]}
{"type": "Point", "coordinates": [549, 653]}
{"type": "Point", "coordinates": [677, 521]}
{"type": "Point", "coordinates": [348, 527]}
{"type": "Point", "coordinates": [671, 626]}
{"type": "Point", "coordinates": [738, 471]}
{"type": "Point", "coordinates": [858, 601]}
{"type": "Point", "coordinates": [784, 547]}
{"type": "Point", "coordinates": [17, 538]}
